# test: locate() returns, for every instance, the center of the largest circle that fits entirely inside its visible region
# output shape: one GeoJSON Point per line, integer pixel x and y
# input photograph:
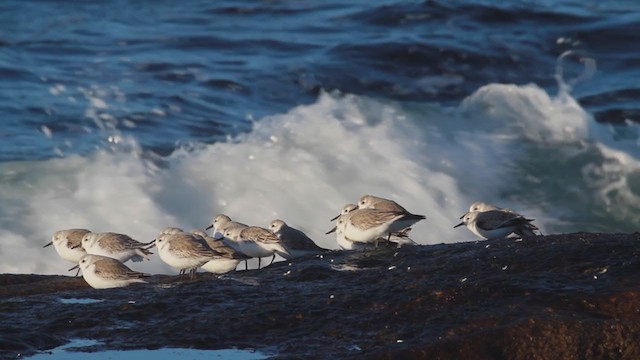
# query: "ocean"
{"type": "Point", "coordinates": [131, 116]}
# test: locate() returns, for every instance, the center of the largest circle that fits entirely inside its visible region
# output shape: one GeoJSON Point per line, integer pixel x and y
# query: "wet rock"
{"type": "Point", "coordinates": [574, 296]}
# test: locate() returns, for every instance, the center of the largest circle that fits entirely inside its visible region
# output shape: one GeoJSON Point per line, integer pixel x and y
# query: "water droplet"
{"type": "Point", "coordinates": [46, 131]}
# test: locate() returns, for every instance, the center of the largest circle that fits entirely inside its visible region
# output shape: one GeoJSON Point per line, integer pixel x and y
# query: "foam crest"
{"type": "Point", "coordinates": [104, 192]}
{"type": "Point", "coordinates": [303, 166]}
{"type": "Point", "coordinates": [530, 112]}
{"type": "Point", "coordinates": [505, 144]}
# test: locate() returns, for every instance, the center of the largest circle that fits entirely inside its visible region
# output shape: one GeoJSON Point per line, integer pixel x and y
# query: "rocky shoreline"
{"type": "Point", "coordinates": [570, 296]}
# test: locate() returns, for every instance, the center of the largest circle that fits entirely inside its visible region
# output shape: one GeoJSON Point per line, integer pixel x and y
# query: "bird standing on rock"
{"type": "Point", "coordinates": [294, 240]}
{"type": "Point", "coordinates": [495, 224]}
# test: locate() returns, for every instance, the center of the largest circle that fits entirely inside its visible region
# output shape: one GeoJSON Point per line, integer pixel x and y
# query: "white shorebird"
{"type": "Point", "coordinates": [221, 223]}
{"type": "Point", "coordinates": [375, 202]}
{"type": "Point", "coordinates": [102, 272]}
{"type": "Point", "coordinates": [184, 251]}
{"type": "Point", "coordinates": [117, 246]}
{"type": "Point", "coordinates": [399, 237]}
{"type": "Point", "coordinates": [67, 244]}
{"type": "Point", "coordinates": [228, 258]}
{"type": "Point", "coordinates": [257, 242]}
{"type": "Point", "coordinates": [481, 206]}
{"type": "Point", "coordinates": [372, 225]}
{"type": "Point", "coordinates": [495, 224]}
{"type": "Point", "coordinates": [294, 240]}
{"type": "Point", "coordinates": [171, 230]}
{"type": "Point", "coordinates": [343, 242]}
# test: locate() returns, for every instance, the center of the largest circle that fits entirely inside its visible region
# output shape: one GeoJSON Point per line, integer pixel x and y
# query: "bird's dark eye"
{"type": "Point", "coordinates": [84, 261]}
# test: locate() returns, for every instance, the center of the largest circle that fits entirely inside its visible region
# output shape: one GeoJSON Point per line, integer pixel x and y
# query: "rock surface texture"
{"type": "Point", "coordinates": [573, 296]}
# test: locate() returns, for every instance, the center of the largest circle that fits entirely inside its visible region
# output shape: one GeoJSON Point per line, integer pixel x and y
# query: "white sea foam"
{"type": "Point", "coordinates": [505, 144]}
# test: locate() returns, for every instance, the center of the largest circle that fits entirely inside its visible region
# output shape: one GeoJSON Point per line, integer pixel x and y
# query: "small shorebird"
{"type": "Point", "coordinates": [375, 202]}
{"type": "Point", "coordinates": [483, 206]}
{"type": "Point", "coordinates": [495, 224]}
{"type": "Point", "coordinates": [228, 258]}
{"type": "Point", "coordinates": [371, 225]}
{"type": "Point", "coordinates": [184, 251]}
{"type": "Point", "coordinates": [102, 272]}
{"type": "Point", "coordinates": [343, 242]}
{"type": "Point", "coordinates": [294, 240]}
{"type": "Point", "coordinates": [221, 223]}
{"type": "Point", "coordinates": [117, 246]}
{"type": "Point", "coordinates": [257, 242]}
{"type": "Point", "coordinates": [67, 244]}
{"type": "Point", "coordinates": [400, 237]}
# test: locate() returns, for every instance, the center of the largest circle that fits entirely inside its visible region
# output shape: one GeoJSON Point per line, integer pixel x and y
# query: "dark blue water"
{"type": "Point", "coordinates": [173, 72]}
{"type": "Point", "coordinates": [132, 116]}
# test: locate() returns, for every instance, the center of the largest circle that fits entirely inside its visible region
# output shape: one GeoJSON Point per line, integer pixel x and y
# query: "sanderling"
{"type": "Point", "coordinates": [294, 240]}
{"type": "Point", "coordinates": [347, 244]}
{"type": "Point", "coordinates": [171, 230]}
{"type": "Point", "coordinates": [343, 242]}
{"type": "Point", "coordinates": [184, 251]}
{"type": "Point", "coordinates": [257, 242]}
{"type": "Point", "coordinates": [345, 210]}
{"type": "Point", "coordinates": [400, 237]}
{"type": "Point", "coordinates": [67, 244]}
{"type": "Point", "coordinates": [495, 224]}
{"type": "Point", "coordinates": [221, 223]}
{"type": "Point", "coordinates": [483, 206]}
{"type": "Point", "coordinates": [341, 239]}
{"type": "Point", "coordinates": [228, 258]}
{"type": "Point", "coordinates": [371, 225]}
{"type": "Point", "coordinates": [117, 246]}
{"type": "Point", "coordinates": [375, 202]}
{"type": "Point", "coordinates": [103, 272]}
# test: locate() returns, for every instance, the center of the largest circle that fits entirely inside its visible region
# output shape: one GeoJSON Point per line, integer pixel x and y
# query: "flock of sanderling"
{"type": "Point", "coordinates": [101, 256]}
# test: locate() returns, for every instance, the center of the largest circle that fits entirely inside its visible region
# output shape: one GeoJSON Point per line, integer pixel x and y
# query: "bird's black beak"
{"type": "Point", "coordinates": [75, 267]}
{"type": "Point", "coordinates": [151, 244]}
{"type": "Point", "coordinates": [209, 227]}
{"type": "Point", "coordinates": [335, 218]}
{"type": "Point", "coordinates": [462, 223]}
{"type": "Point", "coordinates": [49, 244]}
{"type": "Point", "coordinates": [332, 230]}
